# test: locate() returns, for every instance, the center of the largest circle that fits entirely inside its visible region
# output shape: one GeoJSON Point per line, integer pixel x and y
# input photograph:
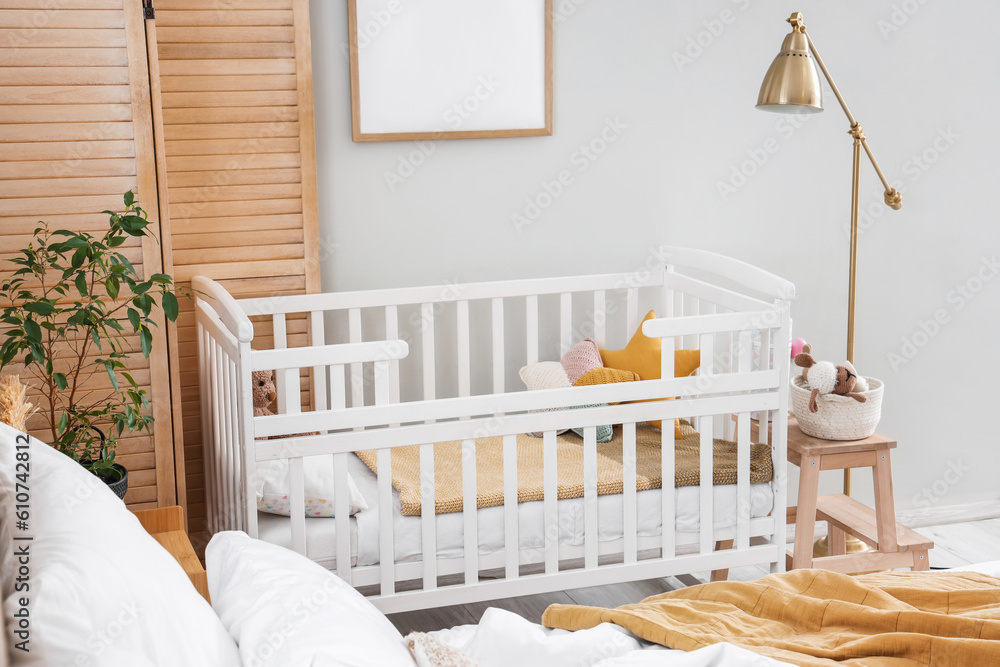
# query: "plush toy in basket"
{"type": "Point", "coordinates": [834, 402]}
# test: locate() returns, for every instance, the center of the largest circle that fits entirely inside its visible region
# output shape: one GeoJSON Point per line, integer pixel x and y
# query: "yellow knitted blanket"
{"type": "Point", "coordinates": [530, 476]}
{"type": "Point", "coordinates": [819, 618]}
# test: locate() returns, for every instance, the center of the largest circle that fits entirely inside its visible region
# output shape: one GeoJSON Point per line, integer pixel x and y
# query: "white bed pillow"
{"type": "Point", "coordinates": [101, 591]}
{"type": "Point", "coordinates": [284, 610]}
{"type": "Point", "coordinates": [274, 484]}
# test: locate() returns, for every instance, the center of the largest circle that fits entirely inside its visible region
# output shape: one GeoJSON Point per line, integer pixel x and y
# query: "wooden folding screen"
{"type": "Point", "coordinates": [235, 84]}
{"type": "Point", "coordinates": [75, 134]}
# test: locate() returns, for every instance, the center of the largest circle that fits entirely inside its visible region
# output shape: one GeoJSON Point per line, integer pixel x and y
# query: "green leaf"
{"type": "Point", "coordinates": [60, 380]}
{"type": "Point", "coordinates": [113, 287]}
{"type": "Point", "coordinates": [142, 288]}
{"type": "Point", "coordinates": [161, 278]}
{"type": "Point", "coordinates": [81, 284]}
{"type": "Point", "coordinates": [33, 331]}
{"type": "Point", "coordinates": [146, 342]}
{"type": "Point", "coordinates": [133, 318]}
{"type": "Point", "coordinates": [111, 374]}
{"type": "Point", "coordinates": [129, 198]}
{"type": "Point", "coordinates": [41, 307]}
{"type": "Point", "coordinates": [170, 307]}
{"type": "Point", "coordinates": [79, 257]}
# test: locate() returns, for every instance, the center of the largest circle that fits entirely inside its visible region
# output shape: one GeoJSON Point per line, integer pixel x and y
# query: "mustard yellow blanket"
{"type": "Point", "coordinates": [815, 617]}
{"type": "Point", "coordinates": [569, 462]}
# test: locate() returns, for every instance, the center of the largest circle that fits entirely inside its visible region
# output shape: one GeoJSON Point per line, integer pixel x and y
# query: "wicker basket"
{"type": "Point", "coordinates": [839, 417]}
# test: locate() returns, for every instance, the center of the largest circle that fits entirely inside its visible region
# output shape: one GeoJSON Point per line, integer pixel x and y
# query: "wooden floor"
{"type": "Point", "coordinates": [955, 544]}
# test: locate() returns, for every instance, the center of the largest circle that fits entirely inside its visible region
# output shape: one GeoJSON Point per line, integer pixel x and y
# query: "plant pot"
{"type": "Point", "coordinates": [121, 486]}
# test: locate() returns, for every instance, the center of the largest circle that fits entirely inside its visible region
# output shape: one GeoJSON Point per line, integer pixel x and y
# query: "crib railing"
{"type": "Point", "coordinates": [723, 323]}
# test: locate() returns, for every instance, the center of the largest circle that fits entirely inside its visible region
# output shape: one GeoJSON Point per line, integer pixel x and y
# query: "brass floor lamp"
{"type": "Point", "coordinates": [792, 85]}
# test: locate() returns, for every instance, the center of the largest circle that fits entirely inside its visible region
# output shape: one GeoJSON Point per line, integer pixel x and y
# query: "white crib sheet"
{"type": "Point", "coordinates": [407, 536]}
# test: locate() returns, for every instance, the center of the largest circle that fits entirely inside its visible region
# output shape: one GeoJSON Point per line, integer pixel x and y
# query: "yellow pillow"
{"type": "Point", "coordinates": [642, 356]}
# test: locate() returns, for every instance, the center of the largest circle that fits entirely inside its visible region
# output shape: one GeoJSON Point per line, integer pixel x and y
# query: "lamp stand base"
{"type": "Point", "coordinates": [821, 547]}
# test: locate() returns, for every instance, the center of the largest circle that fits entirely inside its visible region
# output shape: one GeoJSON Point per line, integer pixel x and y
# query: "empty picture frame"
{"type": "Point", "coordinates": [450, 69]}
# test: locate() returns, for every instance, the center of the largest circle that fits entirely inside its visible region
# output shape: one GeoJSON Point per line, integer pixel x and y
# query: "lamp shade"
{"type": "Point", "coordinates": [791, 84]}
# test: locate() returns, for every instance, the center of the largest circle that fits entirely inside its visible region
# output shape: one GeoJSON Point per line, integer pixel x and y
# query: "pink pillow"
{"type": "Point", "coordinates": [582, 358]}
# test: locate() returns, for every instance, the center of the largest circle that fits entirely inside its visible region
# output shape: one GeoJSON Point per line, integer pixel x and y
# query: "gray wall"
{"type": "Point", "coordinates": [680, 80]}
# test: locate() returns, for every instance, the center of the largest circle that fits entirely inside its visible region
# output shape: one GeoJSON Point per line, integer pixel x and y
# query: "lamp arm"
{"type": "Point", "coordinates": [892, 197]}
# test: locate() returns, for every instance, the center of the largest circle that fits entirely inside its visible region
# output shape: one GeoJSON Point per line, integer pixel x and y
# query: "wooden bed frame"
{"type": "Point", "coordinates": [368, 393]}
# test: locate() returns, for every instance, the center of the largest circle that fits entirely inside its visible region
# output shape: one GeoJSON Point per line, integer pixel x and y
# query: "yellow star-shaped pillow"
{"type": "Point", "coordinates": [642, 356]}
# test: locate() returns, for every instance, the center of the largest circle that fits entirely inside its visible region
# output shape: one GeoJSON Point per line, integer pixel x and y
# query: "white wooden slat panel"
{"type": "Point", "coordinates": [210, 460]}
{"type": "Point", "coordinates": [531, 320]}
{"type": "Point", "coordinates": [706, 460]}
{"type": "Point", "coordinates": [667, 467]}
{"type": "Point", "coordinates": [338, 387]}
{"type": "Point", "coordinates": [510, 515]}
{"type": "Point", "coordinates": [428, 518]}
{"type": "Point", "coordinates": [341, 503]}
{"type": "Point", "coordinates": [357, 370]}
{"type": "Point", "coordinates": [600, 318]}
{"type": "Point", "coordinates": [232, 501]}
{"type": "Point", "coordinates": [392, 333]}
{"type": "Point", "coordinates": [499, 372]}
{"type": "Point", "coordinates": [218, 431]}
{"type": "Point", "coordinates": [427, 336]}
{"type": "Point", "coordinates": [297, 504]}
{"type": "Point", "coordinates": [386, 550]}
{"type": "Point", "coordinates": [550, 497]}
{"type": "Point", "coordinates": [565, 323]}
{"type": "Point", "coordinates": [280, 329]}
{"type": "Point", "coordinates": [630, 518]}
{"type": "Point", "coordinates": [470, 513]}
{"type": "Point", "coordinates": [317, 336]}
{"type": "Point", "coordinates": [590, 517]}
{"type": "Point", "coordinates": [462, 349]}
{"type": "Point", "coordinates": [743, 481]}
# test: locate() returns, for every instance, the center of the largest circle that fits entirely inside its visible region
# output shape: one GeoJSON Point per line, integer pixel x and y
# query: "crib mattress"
{"type": "Point", "coordinates": [407, 534]}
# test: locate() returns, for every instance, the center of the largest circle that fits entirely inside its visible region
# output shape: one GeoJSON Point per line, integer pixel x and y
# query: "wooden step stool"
{"type": "Point", "coordinates": [894, 545]}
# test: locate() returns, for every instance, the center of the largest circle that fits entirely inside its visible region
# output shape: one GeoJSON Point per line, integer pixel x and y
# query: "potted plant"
{"type": "Point", "coordinates": [75, 301]}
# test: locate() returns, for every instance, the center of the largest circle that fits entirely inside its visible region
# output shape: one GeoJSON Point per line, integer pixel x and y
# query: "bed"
{"type": "Point", "coordinates": [430, 369]}
{"type": "Point", "coordinates": [273, 607]}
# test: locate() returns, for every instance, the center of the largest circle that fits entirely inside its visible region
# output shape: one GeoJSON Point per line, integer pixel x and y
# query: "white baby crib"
{"type": "Point", "coordinates": [375, 370]}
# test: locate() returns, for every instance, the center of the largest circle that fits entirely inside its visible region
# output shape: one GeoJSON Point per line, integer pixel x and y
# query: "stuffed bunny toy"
{"type": "Point", "coordinates": [825, 378]}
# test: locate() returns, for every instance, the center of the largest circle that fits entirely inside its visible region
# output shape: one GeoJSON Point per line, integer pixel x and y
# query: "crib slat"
{"type": "Point", "coordinates": [317, 336]}
{"type": "Point", "coordinates": [357, 370]}
{"type": "Point", "coordinates": [470, 512]}
{"type": "Point", "coordinates": [462, 317]}
{"type": "Point", "coordinates": [667, 466]}
{"type": "Point", "coordinates": [229, 422]}
{"type": "Point", "coordinates": [630, 521]}
{"type": "Point", "coordinates": [208, 451]}
{"type": "Point", "coordinates": [341, 504]}
{"type": "Point", "coordinates": [218, 426]}
{"type": "Point", "coordinates": [338, 390]}
{"type": "Point", "coordinates": [706, 428]}
{"type": "Point", "coordinates": [510, 527]}
{"type": "Point", "coordinates": [297, 505]}
{"type": "Point", "coordinates": [428, 529]}
{"type": "Point", "coordinates": [565, 322]}
{"type": "Point", "coordinates": [386, 550]}
{"type": "Point", "coordinates": [668, 292]}
{"type": "Point", "coordinates": [235, 453]}
{"type": "Point", "coordinates": [499, 372]}
{"type": "Point", "coordinates": [550, 505]}
{"type": "Point", "coordinates": [392, 333]}
{"type": "Point", "coordinates": [590, 535]}
{"type": "Point", "coordinates": [531, 325]}
{"type": "Point", "coordinates": [743, 451]}
{"type": "Point", "coordinates": [427, 340]}
{"type": "Point", "coordinates": [600, 318]}
{"type": "Point", "coordinates": [631, 310]}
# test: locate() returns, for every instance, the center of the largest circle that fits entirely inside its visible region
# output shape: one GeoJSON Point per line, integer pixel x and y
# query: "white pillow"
{"type": "Point", "coordinates": [285, 610]}
{"type": "Point", "coordinates": [274, 484]}
{"type": "Point", "coordinates": [100, 590]}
